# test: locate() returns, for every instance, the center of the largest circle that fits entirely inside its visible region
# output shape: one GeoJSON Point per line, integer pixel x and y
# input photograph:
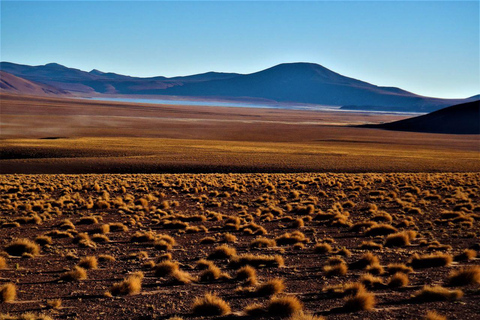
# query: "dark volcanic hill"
{"type": "Point", "coordinates": [291, 82]}
{"type": "Point", "coordinates": [458, 119]}
{"type": "Point", "coordinates": [12, 84]}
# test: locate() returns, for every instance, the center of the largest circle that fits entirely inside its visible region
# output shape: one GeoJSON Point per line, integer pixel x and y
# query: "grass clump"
{"type": "Point", "coordinates": [371, 281]}
{"type": "Point", "coordinates": [8, 292]}
{"type": "Point", "coordinates": [398, 267]}
{"type": "Point", "coordinates": [106, 258]}
{"type": "Point", "coordinates": [118, 227]}
{"type": "Point", "coordinates": [380, 230]}
{"type": "Point", "coordinates": [166, 268]}
{"type": "Point", "coordinates": [248, 274]}
{"type": "Point", "coordinates": [211, 273]}
{"type": "Point", "coordinates": [76, 274]}
{"type": "Point", "coordinates": [398, 280]}
{"type": "Point", "coordinates": [270, 288]}
{"type": "Point", "coordinates": [465, 276]}
{"type": "Point", "coordinates": [142, 237]}
{"type": "Point", "coordinates": [100, 238]}
{"type": "Point", "coordinates": [22, 246]}
{"type": "Point", "coordinates": [262, 242]}
{"type": "Point", "coordinates": [400, 239]}
{"type": "Point", "coordinates": [257, 261]}
{"type": "Point", "coordinates": [129, 286]}
{"type": "Point", "coordinates": [466, 255]}
{"type": "Point", "coordinates": [43, 240]}
{"type": "Point", "coordinates": [370, 245]}
{"type": "Point", "coordinates": [365, 260]}
{"type": "Point", "coordinates": [88, 263]}
{"type": "Point", "coordinates": [432, 260]}
{"type": "Point", "coordinates": [305, 316]}
{"type": "Point", "coordinates": [284, 307]}
{"type": "Point", "coordinates": [432, 315]}
{"type": "Point", "coordinates": [322, 248]}
{"type": "Point", "coordinates": [335, 270]}
{"type": "Point", "coordinates": [54, 303]}
{"type": "Point", "coordinates": [361, 301]}
{"type": "Point", "coordinates": [3, 262]}
{"type": "Point", "coordinates": [210, 305]}
{"type": "Point", "coordinates": [25, 316]}
{"type": "Point", "coordinates": [222, 252]}
{"type": "Point", "coordinates": [87, 220]}
{"type": "Point", "coordinates": [291, 238]}
{"type": "Point", "coordinates": [437, 293]}
{"type": "Point", "coordinates": [181, 277]}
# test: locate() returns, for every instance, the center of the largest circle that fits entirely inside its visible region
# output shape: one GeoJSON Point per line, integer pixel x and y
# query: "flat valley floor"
{"type": "Point", "coordinates": [50, 135]}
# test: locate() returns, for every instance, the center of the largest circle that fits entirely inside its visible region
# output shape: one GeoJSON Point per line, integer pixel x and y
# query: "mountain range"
{"type": "Point", "coordinates": [287, 83]}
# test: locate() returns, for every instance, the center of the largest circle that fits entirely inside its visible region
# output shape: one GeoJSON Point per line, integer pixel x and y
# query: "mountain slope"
{"type": "Point", "coordinates": [458, 119]}
{"type": "Point", "coordinates": [309, 83]}
{"type": "Point", "coordinates": [12, 84]}
{"type": "Point", "coordinates": [290, 82]}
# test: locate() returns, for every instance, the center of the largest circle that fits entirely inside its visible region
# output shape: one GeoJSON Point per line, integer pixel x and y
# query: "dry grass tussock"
{"type": "Point", "coordinates": [305, 316]}
{"type": "Point", "coordinates": [270, 287]}
{"type": "Point", "coordinates": [8, 292]}
{"type": "Point", "coordinates": [464, 277]}
{"type": "Point", "coordinates": [432, 315]}
{"type": "Point", "coordinates": [88, 263]}
{"type": "Point", "coordinates": [25, 316]}
{"type": "Point", "coordinates": [437, 293]}
{"type": "Point", "coordinates": [129, 286]}
{"type": "Point", "coordinates": [363, 300]}
{"type": "Point", "coordinates": [22, 246]}
{"type": "Point", "coordinates": [432, 260]}
{"type": "Point", "coordinates": [76, 274]}
{"type": "Point", "coordinates": [210, 305]}
{"type": "Point", "coordinates": [284, 306]}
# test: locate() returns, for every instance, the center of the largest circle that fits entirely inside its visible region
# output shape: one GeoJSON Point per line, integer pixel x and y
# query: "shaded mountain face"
{"type": "Point", "coordinates": [12, 84]}
{"type": "Point", "coordinates": [292, 82]}
{"type": "Point", "coordinates": [458, 119]}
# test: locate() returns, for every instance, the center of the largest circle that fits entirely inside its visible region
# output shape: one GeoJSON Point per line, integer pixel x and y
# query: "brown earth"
{"type": "Point", "coordinates": [442, 208]}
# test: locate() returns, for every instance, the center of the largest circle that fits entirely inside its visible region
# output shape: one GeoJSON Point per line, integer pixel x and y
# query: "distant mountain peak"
{"type": "Point", "coordinates": [54, 65]}
{"type": "Point", "coordinates": [97, 72]}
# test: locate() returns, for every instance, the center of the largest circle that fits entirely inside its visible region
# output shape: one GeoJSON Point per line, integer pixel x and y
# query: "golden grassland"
{"type": "Point", "coordinates": [264, 246]}
{"type": "Point", "coordinates": [150, 155]}
{"type": "Point", "coordinates": [51, 135]}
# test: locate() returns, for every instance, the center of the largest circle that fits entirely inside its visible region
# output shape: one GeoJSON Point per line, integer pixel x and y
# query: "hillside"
{"type": "Point", "coordinates": [12, 84]}
{"type": "Point", "coordinates": [458, 119]}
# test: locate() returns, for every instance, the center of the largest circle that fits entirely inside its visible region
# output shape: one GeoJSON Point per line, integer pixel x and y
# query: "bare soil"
{"type": "Point", "coordinates": [264, 205]}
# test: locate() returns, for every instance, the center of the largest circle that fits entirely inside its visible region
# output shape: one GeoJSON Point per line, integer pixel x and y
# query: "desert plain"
{"type": "Point", "coordinates": [129, 211]}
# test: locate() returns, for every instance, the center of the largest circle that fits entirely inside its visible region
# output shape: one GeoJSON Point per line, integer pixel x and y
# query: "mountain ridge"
{"type": "Point", "coordinates": [299, 82]}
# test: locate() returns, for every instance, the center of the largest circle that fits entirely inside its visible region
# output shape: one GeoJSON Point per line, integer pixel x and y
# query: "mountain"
{"type": "Point", "coordinates": [12, 84]}
{"type": "Point", "coordinates": [290, 82]}
{"type": "Point", "coordinates": [458, 119]}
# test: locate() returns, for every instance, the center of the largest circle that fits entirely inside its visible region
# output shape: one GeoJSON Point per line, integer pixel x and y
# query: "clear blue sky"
{"type": "Point", "coordinates": [430, 48]}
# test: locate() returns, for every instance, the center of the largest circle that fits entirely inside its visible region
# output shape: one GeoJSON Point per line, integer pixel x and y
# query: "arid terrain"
{"type": "Point", "coordinates": [341, 246]}
{"type": "Point", "coordinates": [128, 211]}
{"type": "Point", "coordinates": [53, 135]}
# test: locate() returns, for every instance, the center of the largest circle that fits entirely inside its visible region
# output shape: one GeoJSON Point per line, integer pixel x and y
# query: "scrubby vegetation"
{"type": "Point", "coordinates": [298, 246]}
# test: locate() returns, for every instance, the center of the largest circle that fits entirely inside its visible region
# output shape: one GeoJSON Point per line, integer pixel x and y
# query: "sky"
{"type": "Point", "coordinates": [427, 47]}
